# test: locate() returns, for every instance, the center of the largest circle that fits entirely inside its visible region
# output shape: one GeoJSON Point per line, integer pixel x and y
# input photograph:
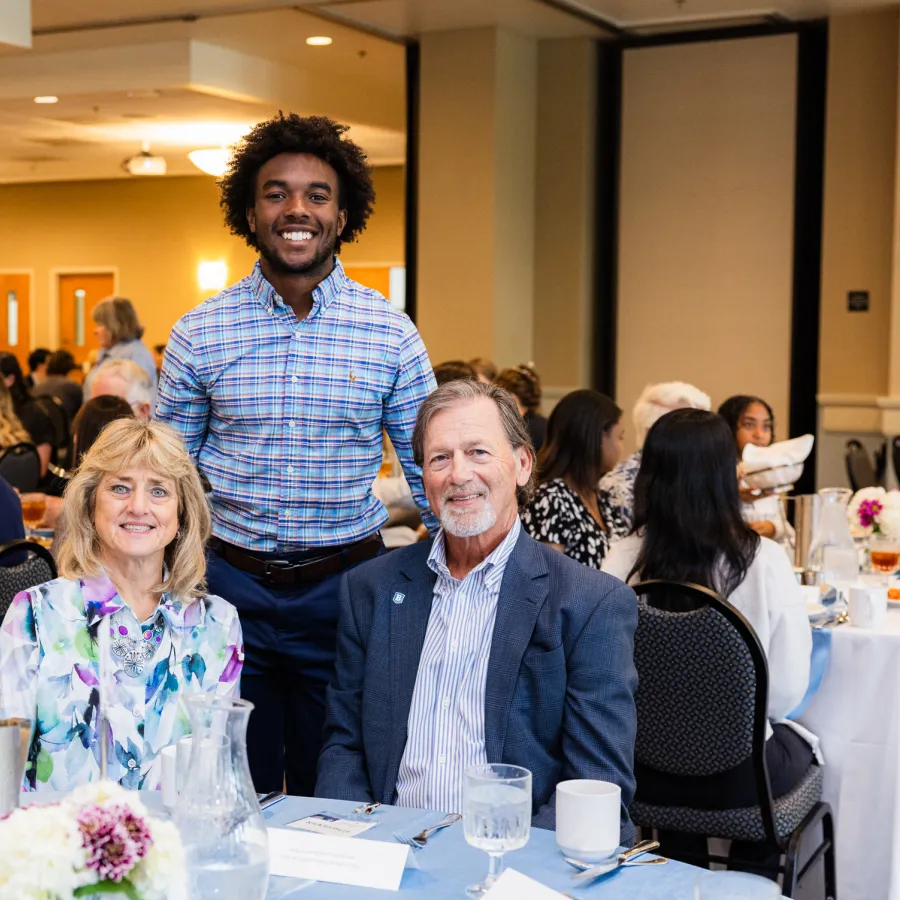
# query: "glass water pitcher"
{"type": "Point", "coordinates": [832, 554]}
{"type": "Point", "coordinates": [222, 827]}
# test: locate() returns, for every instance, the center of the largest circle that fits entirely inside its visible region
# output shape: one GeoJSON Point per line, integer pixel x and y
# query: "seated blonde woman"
{"type": "Point", "coordinates": [128, 626]}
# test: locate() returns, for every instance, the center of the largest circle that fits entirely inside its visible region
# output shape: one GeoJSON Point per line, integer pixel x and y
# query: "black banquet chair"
{"type": "Point", "coordinates": [701, 711]}
{"type": "Point", "coordinates": [860, 468]}
{"type": "Point", "coordinates": [23, 564]}
{"type": "Point", "coordinates": [20, 465]}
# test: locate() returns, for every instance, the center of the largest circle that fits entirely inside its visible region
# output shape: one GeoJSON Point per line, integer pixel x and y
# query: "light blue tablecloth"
{"type": "Point", "coordinates": [448, 863]}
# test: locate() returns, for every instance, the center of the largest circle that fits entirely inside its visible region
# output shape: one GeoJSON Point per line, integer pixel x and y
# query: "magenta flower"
{"type": "Point", "coordinates": [114, 838]}
{"type": "Point", "coordinates": [869, 511]}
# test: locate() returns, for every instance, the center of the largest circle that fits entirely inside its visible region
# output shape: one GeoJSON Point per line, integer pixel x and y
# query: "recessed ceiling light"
{"type": "Point", "coordinates": [318, 41]}
{"type": "Point", "coordinates": [47, 99]}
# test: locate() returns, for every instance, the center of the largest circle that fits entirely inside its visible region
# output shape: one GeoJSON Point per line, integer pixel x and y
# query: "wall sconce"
{"type": "Point", "coordinates": [212, 276]}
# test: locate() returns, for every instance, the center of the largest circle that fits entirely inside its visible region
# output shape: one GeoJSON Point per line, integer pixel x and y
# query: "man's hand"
{"type": "Point", "coordinates": [748, 494]}
{"type": "Point", "coordinates": [763, 529]}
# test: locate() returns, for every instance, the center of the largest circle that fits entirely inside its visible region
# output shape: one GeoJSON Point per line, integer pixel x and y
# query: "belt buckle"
{"type": "Point", "coordinates": [281, 566]}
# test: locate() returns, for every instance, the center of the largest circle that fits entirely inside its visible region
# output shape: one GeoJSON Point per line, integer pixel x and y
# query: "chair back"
{"type": "Point", "coordinates": [703, 686]}
{"type": "Point", "coordinates": [20, 465]}
{"type": "Point", "coordinates": [895, 456]}
{"type": "Point", "coordinates": [860, 468]}
{"type": "Point", "coordinates": [23, 564]}
{"type": "Point", "coordinates": [52, 406]}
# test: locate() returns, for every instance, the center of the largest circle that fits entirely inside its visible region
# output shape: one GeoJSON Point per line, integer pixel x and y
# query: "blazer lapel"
{"type": "Point", "coordinates": [408, 624]}
{"type": "Point", "coordinates": [522, 594]}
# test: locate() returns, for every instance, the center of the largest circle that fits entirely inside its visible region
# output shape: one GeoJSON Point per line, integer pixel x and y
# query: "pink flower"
{"type": "Point", "coordinates": [869, 511]}
{"type": "Point", "coordinates": [114, 838]}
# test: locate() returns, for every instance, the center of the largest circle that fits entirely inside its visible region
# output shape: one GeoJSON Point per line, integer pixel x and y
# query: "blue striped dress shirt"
{"type": "Point", "coordinates": [446, 717]}
{"type": "Point", "coordinates": [284, 416]}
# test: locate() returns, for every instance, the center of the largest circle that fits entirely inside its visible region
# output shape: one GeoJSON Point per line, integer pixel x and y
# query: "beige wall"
{"type": "Point", "coordinates": [858, 201]}
{"type": "Point", "coordinates": [155, 232]}
{"type": "Point", "coordinates": [706, 218]}
{"type": "Point", "coordinates": [564, 218]}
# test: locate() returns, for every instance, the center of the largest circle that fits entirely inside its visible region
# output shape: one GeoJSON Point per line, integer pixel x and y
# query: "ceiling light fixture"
{"type": "Point", "coordinates": [145, 163]}
{"type": "Point", "coordinates": [48, 99]}
{"type": "Point", "coordinates": [318, 41]}
{"type": "Point", "coordinates": [213, 161]}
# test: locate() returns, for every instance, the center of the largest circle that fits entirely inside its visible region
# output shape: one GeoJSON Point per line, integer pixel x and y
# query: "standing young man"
{"type": "Point", "coordinates": [281, 386]}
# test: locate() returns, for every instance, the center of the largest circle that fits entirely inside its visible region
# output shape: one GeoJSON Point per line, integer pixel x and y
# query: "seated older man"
{"type": "Point", "coordinates": [482, 645]}
{"type": "Point", "coordinates": [126, 379]}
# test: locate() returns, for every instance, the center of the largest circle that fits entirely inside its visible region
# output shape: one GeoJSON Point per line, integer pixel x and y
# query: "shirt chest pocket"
{"type": "Point", "coordinates": [352, 396]}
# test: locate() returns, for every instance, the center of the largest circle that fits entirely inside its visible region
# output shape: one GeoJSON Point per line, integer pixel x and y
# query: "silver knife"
{"type": "Point", "coordinates": [610, 864]}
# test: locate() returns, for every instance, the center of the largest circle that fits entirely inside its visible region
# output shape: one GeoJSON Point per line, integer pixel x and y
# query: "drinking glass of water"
{"type": "Point", "coordinates": [734, 886]}
{"type": "Point", "coordinates": [496, 814]}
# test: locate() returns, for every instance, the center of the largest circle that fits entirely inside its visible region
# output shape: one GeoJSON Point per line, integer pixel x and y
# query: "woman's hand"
{"type": "Point", "coordinates": [763, 529]}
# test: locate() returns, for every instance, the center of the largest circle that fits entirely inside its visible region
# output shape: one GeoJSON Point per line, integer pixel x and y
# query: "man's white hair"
{"type": "Point", "coordinates": [659, 399]}
{"type": "Point", "coordinates": [139, 387]}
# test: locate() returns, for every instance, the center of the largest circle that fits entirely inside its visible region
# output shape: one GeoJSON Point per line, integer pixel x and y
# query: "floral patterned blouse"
{"type": "Point", "coordinates": [619, 486]}
{"type": "Point", "coordinates": [556, 515]}
{"type": "Point", "coordinates": [50, 650]}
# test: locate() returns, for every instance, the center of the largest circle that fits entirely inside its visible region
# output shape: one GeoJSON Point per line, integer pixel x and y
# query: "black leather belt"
{"type": "Point", "coordinates": [301, 571]}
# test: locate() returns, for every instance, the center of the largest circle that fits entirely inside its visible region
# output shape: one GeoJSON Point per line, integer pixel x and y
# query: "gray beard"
{"type": "Point", "coordinates": [467, 524]}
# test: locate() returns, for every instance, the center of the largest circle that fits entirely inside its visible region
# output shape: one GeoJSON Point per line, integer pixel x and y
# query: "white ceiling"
{"type": "Point", "coordinates": [186, 74]}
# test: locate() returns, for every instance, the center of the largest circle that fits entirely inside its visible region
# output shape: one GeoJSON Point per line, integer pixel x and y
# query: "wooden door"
{"type": "Point", "coordinates": [15, 316]}
{"type": "Point", "coordinates": [78, 295]}
{"type": "Point", "coordinates": [376, 277]}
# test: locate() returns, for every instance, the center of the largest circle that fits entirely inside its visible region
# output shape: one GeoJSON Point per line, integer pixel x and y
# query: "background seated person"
{"type": "Point", "coordinates": [655, 401]}
{"type": "Point", "coordinates": [131, 590]}
{"type": "Point", "coordinates": [497, 645]}
{"type": "Point", "coordinates": [126, 379]}
{"type": "Point", "coordinates": [58, 384]}
{"type": "Point", "coordinates": [752, 421]}
{"type": "Point", "coordinates": [688, 527]}
{"type": "Point", "coordinates": [569, 512]}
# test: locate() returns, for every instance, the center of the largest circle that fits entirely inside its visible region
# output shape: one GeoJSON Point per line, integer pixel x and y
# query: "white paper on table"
{"type": "Point", "coordinates": [513, 885]}
{"type": "Point", "coordinates": [339, 860]}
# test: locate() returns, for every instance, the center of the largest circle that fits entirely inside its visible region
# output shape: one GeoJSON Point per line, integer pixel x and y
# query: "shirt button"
{"type": "Point", "coordinates": [132, 764]}
{"type": "Point", "coordinates": [290, 468]}
{"type": "Point", "coordinates": [294, 379]}
{"type": "Point", "coordinates": [441, 760]}
{"type": "Point", "coordinates": [454, 645]}
{"type": "Point", "coordinates": [296, 335]}
{"type": "Point", "coordinates": [290, 424]}
{"type": "Point", "coordinates": [287, 513]}
{"type": "Point", "coordinates": [446, 702]}
{"type": "Point", "coordinates": [136, 712]}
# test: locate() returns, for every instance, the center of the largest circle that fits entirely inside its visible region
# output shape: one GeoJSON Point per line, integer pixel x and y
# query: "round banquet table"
{"type": "Point", "coordinates": [448, 863]}
{"type": "Point", "coordinates": [856, 715]}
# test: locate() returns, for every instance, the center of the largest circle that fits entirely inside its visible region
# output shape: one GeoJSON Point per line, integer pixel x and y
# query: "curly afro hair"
{"type": "Point", "coordinates": [291, 133]}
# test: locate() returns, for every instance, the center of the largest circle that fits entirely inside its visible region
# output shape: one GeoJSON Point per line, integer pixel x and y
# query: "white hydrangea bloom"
{"type": "Point", "coordinates": [869, 493]}
{"type": "Point", "coordinates": [162, 873]}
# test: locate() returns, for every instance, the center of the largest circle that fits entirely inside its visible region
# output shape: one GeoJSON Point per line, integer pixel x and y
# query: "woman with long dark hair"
{"type": "Point", "coordinates": [584, 441]}
{"type": "Point", "coordinates": [37, 423]}
{"type": "Point", "coordinates": [752, 421]}
{"type": "Point", "coordinates": [688, 527]}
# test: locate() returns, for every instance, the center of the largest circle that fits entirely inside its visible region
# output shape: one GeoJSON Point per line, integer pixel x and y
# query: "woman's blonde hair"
{"type": "Point", "coordinates": [124, 444]}
{"type": "Point", "coordinates": [12, 431]}
{"type": "Point", "coordinates": [118, 316]}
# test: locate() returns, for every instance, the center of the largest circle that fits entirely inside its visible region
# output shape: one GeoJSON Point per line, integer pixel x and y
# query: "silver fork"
{"type": "Point", "coordinates": [417, 841]}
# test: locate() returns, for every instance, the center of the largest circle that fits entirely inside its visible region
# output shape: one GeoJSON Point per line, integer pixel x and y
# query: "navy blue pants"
{"type": "Point", "coordinates": [289, 642]}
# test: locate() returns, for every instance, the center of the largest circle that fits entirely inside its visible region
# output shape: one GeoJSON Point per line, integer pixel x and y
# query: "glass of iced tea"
{"type": "Point", "coordinates": [33, 508]}
{"type": "Point", "coordinates": [884, 553]}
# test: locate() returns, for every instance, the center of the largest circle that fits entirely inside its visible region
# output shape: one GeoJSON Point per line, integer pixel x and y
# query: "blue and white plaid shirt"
{"type": "Point", "coordinates": [284, 417]}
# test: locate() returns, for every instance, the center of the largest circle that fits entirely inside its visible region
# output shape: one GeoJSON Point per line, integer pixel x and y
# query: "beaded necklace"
{"type": "Point", "coordinates": [134, 652]}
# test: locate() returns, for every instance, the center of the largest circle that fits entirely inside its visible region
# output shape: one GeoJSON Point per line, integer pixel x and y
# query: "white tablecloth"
{"type": "Point", "coordinates": [856, 714]}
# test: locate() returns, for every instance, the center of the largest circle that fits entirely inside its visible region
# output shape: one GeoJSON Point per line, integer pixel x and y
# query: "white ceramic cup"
{"type": "Point", "coordinates": [868, 606]}
{"type": "Point", "coordinates": [587, 818]}
{"type": "Point", "coordinates": [175, 761]}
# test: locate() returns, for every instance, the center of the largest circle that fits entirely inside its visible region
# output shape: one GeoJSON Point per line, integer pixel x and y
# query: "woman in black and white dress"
{"type": "Point", "coordinates": [584, 441]}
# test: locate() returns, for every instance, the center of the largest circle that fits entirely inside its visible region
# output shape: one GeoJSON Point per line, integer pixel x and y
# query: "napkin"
{"type": "Point", "coordinates": [777, 465]}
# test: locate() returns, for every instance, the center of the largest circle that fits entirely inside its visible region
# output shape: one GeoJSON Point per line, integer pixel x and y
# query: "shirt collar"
{"type": "Point", "coordinates": [101, 599]}
{"type": "Point", "coordinates": [324, 293]}
{"type": "Point", "coordinates": [492, 565]}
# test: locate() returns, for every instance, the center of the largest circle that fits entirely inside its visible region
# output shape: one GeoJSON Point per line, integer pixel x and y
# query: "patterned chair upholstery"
{"type": "Point", "coordinates": [37, 567]}
{"type": "Point", "coordinates": [701, 711]}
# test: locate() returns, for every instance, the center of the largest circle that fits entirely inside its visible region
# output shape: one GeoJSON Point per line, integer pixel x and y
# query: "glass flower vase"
{"type": "Point", "coordinates": [222, 827]}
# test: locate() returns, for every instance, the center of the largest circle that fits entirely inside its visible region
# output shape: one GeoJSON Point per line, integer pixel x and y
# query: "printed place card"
{"type": "Point", "coordinates": [513, 885]}
{"type": "Point", "coordinates": [333, 824]}
{"type": "Point", "coordinates": [339, 860]}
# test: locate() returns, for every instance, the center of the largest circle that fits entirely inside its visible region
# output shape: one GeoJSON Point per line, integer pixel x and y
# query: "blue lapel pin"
{"type": "Point", "coordinates": [398, 598]}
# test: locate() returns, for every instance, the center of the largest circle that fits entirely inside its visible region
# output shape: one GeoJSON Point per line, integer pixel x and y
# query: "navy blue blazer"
{"type": "Point", "coordinates": [559, 695]}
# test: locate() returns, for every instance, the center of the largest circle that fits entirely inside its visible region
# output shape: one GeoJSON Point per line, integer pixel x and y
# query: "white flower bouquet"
{"type": "Point", "coordinates": [874, 510]}
{"type": "Point", "coordinates": [98, 841]}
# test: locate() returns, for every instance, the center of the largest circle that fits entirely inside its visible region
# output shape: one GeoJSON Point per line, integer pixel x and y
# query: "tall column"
{"type": "Point", "coordinates": [476, 195]}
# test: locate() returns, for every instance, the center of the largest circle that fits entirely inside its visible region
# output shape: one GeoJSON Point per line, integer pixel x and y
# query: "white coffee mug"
{"type": "Point", "coordinates": [868, 606]}
{"type": "Point", "coordinates": [587, 818]}
{"type": "Point", "coordinates": [167, 775]}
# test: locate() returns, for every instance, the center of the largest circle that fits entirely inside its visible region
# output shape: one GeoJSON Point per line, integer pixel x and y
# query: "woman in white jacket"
{"type": "Point", "coordinates": [689, 528]}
